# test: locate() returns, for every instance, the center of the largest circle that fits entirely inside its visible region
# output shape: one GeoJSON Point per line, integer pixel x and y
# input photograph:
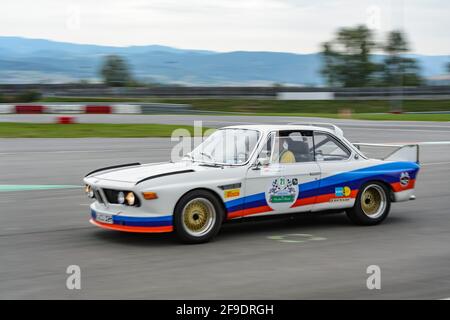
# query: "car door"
{"type": "Point", "coordinates": [289, 181]}
{"type": "Point", "coordinates": [336, 188]}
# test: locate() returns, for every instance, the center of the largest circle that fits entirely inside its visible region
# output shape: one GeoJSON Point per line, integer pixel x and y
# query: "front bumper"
{"type": "Point", "coordinates": [135, 224]}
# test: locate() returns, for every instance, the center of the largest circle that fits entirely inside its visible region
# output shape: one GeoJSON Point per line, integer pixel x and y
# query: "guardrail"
{"type": "Point", "coordinates": [99, 90]}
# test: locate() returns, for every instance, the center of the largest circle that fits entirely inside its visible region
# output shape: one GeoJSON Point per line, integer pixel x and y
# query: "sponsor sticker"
{"type": "Point", "coordinates": [404, 179]}
{"type": "Point", "coordinates": [334, 200]}
{"type": "Point", "coordinates": [282, 198]}
{"type": "Point", "coordinates": [282, 192]}
{"type": "Point", "coordinates": [342, 191]}
{"type": "Point", "coordinates": [231, 193]}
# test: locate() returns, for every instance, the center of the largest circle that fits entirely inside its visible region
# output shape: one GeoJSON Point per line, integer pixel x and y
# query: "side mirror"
{"type": "Point", "coordinates": [263, 161]}
{"type": "Point", "coordinates": [187, 156]}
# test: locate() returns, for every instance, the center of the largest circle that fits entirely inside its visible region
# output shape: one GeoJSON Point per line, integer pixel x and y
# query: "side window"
{"type": "Point", "coordinates": [328, 148]}
{"type": "Point", "coordinates": [292, 147]}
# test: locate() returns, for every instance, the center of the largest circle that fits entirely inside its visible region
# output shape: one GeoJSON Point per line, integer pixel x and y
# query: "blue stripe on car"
{"type": "Point", "coordinates": [387, 172]}
{"type": "Point", "coordinates": [139, 221]}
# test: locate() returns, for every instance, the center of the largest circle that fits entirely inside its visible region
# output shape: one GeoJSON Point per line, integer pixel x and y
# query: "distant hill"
{"type": "Point", "coordinates": [34, 60]}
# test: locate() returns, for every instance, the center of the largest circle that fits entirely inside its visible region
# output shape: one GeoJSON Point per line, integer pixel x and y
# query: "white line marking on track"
{"type": "Point", "coordinates": [390, 124]}
{"type": "Point", "coordinates": [76, 151]}
{"type": "Point", "coordinates": [434, 163]}
{"type": "Point", "coordinates": [404, 130]}
{"type": "Point", "coordinates": [40, 199]}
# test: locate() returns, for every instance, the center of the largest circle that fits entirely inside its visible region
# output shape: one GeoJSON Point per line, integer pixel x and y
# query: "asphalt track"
{"type": "Point", "coordinates": [42, 232]}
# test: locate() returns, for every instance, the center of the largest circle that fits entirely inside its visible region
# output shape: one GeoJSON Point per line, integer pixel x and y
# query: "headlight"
{"type": "Point", "coordinates": [130, 198]}
{"type": "Point", "coordinates": [121, 197]}
{"type": "Point", "coordinates": [89, 191]}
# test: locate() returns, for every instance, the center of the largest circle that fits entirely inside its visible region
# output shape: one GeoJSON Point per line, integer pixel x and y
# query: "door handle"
{"type": "Point", "coordinates": [314, 173]}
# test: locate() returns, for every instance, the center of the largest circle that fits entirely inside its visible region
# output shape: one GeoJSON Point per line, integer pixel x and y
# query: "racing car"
{"type": "Point", "coordinates": [247, 171]}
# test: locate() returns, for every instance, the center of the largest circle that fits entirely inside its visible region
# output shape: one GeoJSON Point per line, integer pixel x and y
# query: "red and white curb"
{"type": "Point", "coordinates": [37, 108]}
{"type": "Point", "coordinates": [6, 108]}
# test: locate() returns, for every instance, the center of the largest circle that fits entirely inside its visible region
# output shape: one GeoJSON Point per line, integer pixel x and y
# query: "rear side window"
{"type": "Point", "coordinates": [292, 146]}
{"type": "Point", "coordinates": [328, 148]}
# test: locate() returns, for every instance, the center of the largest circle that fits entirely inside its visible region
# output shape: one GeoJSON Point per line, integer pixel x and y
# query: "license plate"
{"type": "Point", "coordinates": [105, 218]}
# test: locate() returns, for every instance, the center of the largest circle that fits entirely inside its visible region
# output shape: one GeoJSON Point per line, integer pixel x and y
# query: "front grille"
{"type": "Point", "coordinates": [97, 196]}
{"type": "Point", "coordinates": [111, 195]}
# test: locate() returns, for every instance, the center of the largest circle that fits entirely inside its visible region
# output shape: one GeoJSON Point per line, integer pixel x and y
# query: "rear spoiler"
{"type": "Point", "coordinates": [403, 152]}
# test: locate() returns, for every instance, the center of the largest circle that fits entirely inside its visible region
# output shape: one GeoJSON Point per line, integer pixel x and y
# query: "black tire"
{"type": "Point", "coordinates": [361, 213]}
{"type": "Point", "coordinates": [185, 224]}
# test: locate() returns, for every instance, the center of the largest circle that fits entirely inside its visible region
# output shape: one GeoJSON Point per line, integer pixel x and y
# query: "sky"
{"type": "Point", "coordinates": [298, 26]}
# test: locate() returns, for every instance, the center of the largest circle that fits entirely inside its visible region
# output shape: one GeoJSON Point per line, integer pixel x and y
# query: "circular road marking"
{"type": "Point", "coordinates": [296, 238]}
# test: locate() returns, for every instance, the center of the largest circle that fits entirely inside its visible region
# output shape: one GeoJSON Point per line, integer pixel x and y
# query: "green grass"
{"type": "Point", "coordinates": [360, 109]}
{"type": "Point", "coordinates": [46, 130]}
{"type": "Point", "coordinates": [313, 106]}
{"type": "Point", "coordinates": [103, 130]}
{"type": "Point", "coordinates": [279, 106]}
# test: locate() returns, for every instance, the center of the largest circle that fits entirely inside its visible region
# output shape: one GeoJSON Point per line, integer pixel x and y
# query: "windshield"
{"type": "Point", "coordinates": [227, 146]}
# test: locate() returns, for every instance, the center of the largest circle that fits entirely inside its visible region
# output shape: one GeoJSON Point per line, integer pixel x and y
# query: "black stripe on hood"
{"type": "Point", "coordinates": [163, 175]}
{"type": "Point", "coordinates": [113, 167]}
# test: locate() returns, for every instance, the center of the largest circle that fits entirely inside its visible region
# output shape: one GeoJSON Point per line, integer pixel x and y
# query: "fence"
{"type": "Point", "coordinates": [98, 90]}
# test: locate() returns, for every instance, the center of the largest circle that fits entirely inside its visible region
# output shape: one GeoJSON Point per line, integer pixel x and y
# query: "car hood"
{"type": "Point", "coordinates": [137, 173]}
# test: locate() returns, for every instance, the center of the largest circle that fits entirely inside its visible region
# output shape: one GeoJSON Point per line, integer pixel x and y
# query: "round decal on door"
{"type": "Point", "coordinates": [282, 193]}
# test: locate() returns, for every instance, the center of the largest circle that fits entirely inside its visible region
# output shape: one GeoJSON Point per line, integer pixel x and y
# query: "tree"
{"type": "Point", "coordinates": [115, 71]}
{"type": "Point", "coordinates": [347, 58]}
{"type": "Point", "coordinates": [329, 70]}
{"type": "Point", "coordinates": [399, 70]}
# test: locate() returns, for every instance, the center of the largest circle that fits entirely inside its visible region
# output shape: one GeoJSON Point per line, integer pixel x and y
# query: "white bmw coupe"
{"type": "Point", "coordinates": [252, 170]}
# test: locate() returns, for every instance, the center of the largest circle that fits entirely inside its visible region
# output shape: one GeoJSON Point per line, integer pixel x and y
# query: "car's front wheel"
{"type": "Point", "coordinates": [372, 205]}
{"type": "Point", "coordinates": [198, 217]}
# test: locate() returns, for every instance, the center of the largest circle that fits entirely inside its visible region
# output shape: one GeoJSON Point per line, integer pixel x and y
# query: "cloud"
{"type": "Point", "coordinates": [224, 25]}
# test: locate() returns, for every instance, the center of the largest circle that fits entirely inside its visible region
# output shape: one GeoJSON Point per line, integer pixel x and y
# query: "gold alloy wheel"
{"type": "Point", "coordinates": [198, 216]}
{"type": "Point", "coordinates": [373, 201]}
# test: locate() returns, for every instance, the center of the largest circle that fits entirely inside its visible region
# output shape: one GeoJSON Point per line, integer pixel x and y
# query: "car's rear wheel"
{"type": "Point", "coordinates": [372, 205]}
{"type": "Point", "coordinates": [198, 217]}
